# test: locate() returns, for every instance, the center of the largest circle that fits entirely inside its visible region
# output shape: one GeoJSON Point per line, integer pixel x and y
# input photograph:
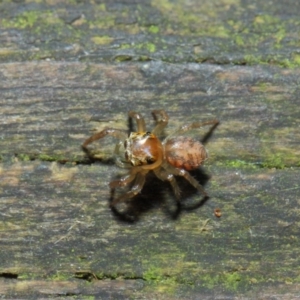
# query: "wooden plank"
{"type": "Point", "coordinates": [62, 78]}
{"type": "Point", "coordinates": [56, 224]}
{"type": "Point", "coordinates": [217, 32]}
{"type": "Point", "coordinates": [49, 108]}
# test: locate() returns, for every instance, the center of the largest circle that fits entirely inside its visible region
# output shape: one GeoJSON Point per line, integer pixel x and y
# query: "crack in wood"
{"type": "Point", "coordinates": [9, 275]}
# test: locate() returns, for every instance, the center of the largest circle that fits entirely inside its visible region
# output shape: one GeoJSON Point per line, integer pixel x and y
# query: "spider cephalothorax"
{"type": "Point", "coordinates": [142, 148]}
{"type": "Point", "coordinates": [144, 152]}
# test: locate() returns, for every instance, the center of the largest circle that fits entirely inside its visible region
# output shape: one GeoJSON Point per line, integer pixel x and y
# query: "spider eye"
{"type": "Point", "coordinates": [148, 133]}
{"type": "Point", "coordinates": [150, 160]}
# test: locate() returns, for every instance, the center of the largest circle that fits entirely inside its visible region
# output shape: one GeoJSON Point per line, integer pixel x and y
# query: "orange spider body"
{"type": "Point", "coordinates": [144, 151]}
{"type": "Point", "coordinates": [143, 148]}
{"type": "Point", "coordinates": [184, 152]}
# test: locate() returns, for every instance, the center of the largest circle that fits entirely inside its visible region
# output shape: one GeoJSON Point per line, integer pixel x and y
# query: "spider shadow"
{"type": "Point", "coordinates": [157, 194]}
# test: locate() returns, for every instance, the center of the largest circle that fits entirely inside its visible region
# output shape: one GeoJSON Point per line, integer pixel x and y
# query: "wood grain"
{"type": "Point", "coordinates": [58, 236]}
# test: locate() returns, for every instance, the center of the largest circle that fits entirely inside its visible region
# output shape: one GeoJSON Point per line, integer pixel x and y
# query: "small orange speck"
{"type": "Point", "coordinates": [218, 212]}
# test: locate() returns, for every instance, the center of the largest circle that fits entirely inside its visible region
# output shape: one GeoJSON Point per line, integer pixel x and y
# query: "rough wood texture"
{"type": "Point", "coordinates": [61, 78]}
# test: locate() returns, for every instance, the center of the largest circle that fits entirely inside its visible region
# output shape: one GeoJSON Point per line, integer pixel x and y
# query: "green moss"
{"type": "Point", "coordinates": [286, 63]}
{"type": "Point", "coordinates": [121, 58]}
{"type": "Point", "coordinates": [253, 59]}
{"type": "Point", "coordinates": [153, 29]}
{"type": "Point", "coordinates": [32, 19]}
{"type": "Point", "coordinates": [106, 20]}
{"type": "Point", "coordinates": [45, 157]}
{"type": "Point", "coordinates": [102, 7]}
{"type": "Point", "coordinates": [27, 19]}
{"type": "Point", "coordinates": [232, 281]}
{"type": "Point", "coordinates": [238, 164]}
{"type": "Point", "coordinates": [276, 150]}
{"type": "Point", "coordinates": [239, 40]}
{"type": "Point", "coordinates": [278, 60]}
{"type": "Point", "coordinates": [147, 46]}
{"type": "Point", "coordinates": [160, 282]}
{"type": "Point", "coordinates": [125, 46]}
{"type": "Point", "coordinates": [190, 21]}
{"type": "Point", "coordinates": [102, 40]}
{"type": "Point", "coordinates": [296, 58]}
{"type": "Point", "coordinates": [144, 58]}
{"type": "Point", "coordinates": [24, 157]}
{"type": "Point", "coordinates": [265, 24]}
{"type": "Point", "coordinates": [263, 86]}
{"type": "Point", "coordinates": [26, 276]}
{"type": "Point", "coordinates": [151, 47]}
{"type": "Point", "coordinates": [174, 18]}
{"type": "Point", "coordinates": [210, 282]}
{"type": "Point", "coordinates": [111, 276]}
{"type": "Point", "coordinates": [42, 54]}
{"type": "Point", "coordinates": [60, 276]}
{"type": "Point", "coordinates": [274, 161]}
{"type": "Point", "coordinates": [153, 274]}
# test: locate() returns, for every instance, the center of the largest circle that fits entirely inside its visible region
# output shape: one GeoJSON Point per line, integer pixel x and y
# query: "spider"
{"type": "Point", "coordinates": [144, 152]}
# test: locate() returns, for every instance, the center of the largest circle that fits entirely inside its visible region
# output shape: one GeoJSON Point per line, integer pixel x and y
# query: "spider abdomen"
{"type": "Point", "coordinates": [185, 152]}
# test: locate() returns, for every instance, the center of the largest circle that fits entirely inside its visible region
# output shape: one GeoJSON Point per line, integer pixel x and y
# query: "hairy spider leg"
{"type": "Point", "coordinates": [160, 123]}
{"type": "Point", "coordinates": [194, 125]}
{"type": "Point", "coordinates": [117, 133]}
{"type": "Point", "coordinates": [125, 180]}
{"type": "Point", "coordinates": [140, 122]}
{"type": "Point", "coordinates": [139, 182]}
{"type": "Point", "coordinates": [185, 174]}
{"type": "Point", "coordinates": [165, 176]}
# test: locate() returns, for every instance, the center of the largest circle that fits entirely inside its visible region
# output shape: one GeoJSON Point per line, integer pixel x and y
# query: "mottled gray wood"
{"type": "Point", "coordinates": [56, 225]}
{"type": "Point", "coordinates": [217, 31]}
{"type": "Point", "coordinates": [61, 78]}
{"type": "Point", "coordinates": [50, 108]}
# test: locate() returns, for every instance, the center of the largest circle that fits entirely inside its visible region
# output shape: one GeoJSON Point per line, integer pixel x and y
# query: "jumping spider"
{"type": "Point", "coordinates": [144, 152]}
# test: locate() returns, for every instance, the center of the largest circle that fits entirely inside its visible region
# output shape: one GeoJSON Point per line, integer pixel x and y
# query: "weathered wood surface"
{"type": "Point", "coordinates": [58, 236]}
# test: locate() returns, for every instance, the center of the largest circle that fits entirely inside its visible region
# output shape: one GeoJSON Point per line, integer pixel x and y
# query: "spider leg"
{"type": "Point", "coordinates": [188, 177]}
{"type": "Point", "coordinates": [117, 133]}
{"type": "Point", "coordinates": [160, 124]}
{"type": "Point", "coordinates": [141, 127]}
{"type": "Point", "coordinates": [195, 125]}
{"type": "Point", "coordinates": [165, 176]}
{"type": "Point", "coordinates": [125, 180]}
{"type": "Point", "coordinates": [136, 188]}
